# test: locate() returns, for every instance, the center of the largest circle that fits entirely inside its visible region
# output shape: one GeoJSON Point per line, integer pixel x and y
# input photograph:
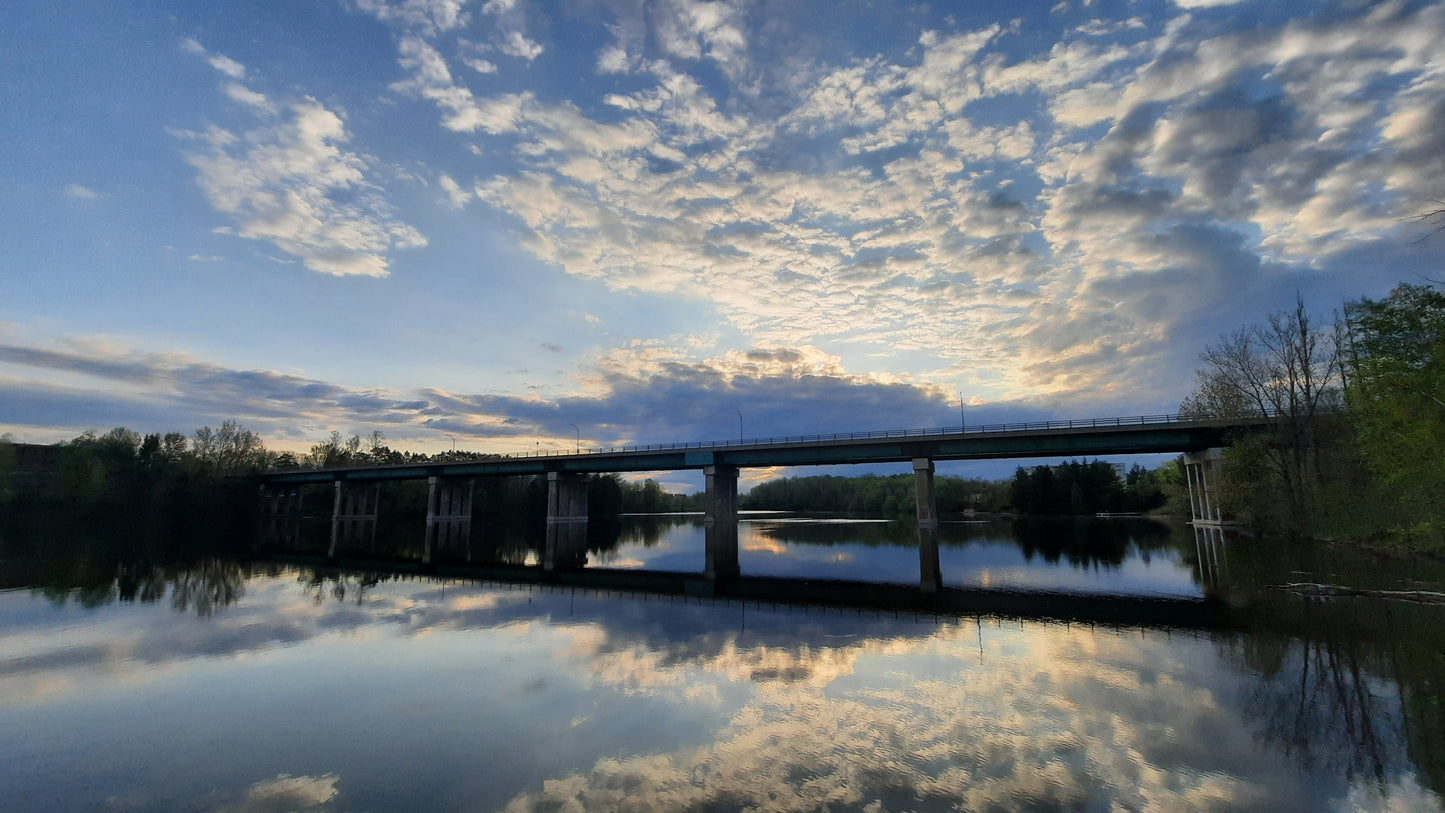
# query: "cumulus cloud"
{"type": "Point", "coordinates": [516, 44]}
{"type": "Point", "coordinates": [293, 184]}
{"type": "Point", "coordinates": [881, 211]}
{"type": "Point", "coordinates": [1031, 221]}
{"type": "Point", "coordinates": [426, 16]}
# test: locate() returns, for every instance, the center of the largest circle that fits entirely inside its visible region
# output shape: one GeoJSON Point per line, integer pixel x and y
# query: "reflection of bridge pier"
{"type": "Point", "coordinates": [448, 519]}
{"type": "Point", "coordinates": [1209, 544]}
{"type": "Point", "coordinates": [281, 516]}
{"type": "Point", "coordinates": [353, 515]}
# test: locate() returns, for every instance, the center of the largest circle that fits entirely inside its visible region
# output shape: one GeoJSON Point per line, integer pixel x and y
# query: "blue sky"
{"type": "Point", "coordinates": [495, 220]}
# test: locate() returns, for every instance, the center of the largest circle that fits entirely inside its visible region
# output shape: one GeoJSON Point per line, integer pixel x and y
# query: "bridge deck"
{"type": "Point", "coordinates": [1086, 437]}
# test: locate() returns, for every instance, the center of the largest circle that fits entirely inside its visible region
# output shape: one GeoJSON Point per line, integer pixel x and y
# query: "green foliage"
{"type": "Point", "coordinates": [1397, 393]}
{"type": "Point", "coordinates": [647, 497]}
{"type": "Point", "coordinates": [1083, 489]}
{"type": "Point", "coordinates": [872, 493]}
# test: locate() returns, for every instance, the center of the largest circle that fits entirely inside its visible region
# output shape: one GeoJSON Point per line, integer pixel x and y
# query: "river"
{"type": "Point", "coordinates": [138, 674]}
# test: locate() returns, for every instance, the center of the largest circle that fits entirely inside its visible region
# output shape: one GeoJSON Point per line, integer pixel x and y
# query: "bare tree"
{"type": "Point", "coordinates": [1284, 369]}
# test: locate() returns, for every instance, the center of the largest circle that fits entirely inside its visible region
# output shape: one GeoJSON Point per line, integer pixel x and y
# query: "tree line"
{"type": "Point", "coordinates": [1360, 420]}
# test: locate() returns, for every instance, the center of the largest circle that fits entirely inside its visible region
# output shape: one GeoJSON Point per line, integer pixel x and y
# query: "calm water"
{"type": "Point", "coordinates": [139, 677]}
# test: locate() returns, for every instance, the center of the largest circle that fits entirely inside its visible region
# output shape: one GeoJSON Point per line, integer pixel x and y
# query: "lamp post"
{"type": "Point", "coordinates": [962, 423]}
{"type": "Point", "coordinates": [740, 424]}
{"type": "Point", "coordinates": [454, 441]}
{"type": "Point", "coordinates": [579, 437]}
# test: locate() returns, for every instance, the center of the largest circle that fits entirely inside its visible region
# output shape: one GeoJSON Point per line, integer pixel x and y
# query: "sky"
{"type": "Point", "coordinates": [517, 226]}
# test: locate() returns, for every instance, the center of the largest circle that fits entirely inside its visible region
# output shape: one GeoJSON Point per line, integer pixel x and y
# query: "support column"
{"type": "Point", "coordinates": [923, 483]}
{"type": "Point", "coordinates": [1194, 498]}
{"type": "Point", "coordinates": [448, 518]}
{"type": "Point", "coordinates": [566, 497]}
{"type": "Point", "coordinates": [930, 576]}
{"type": "Point", "coordinates": [721, 493]}
{"type": "Point", "coordinates": [353, 515]}
{"type": "Point", "coordinates": [1201, 471]}
{"type": "Point", "coordinates": [566, 547]}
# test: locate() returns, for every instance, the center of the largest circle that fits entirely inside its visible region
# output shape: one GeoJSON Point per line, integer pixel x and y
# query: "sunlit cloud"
{"type": "Point", "coordinates": [286, 792]}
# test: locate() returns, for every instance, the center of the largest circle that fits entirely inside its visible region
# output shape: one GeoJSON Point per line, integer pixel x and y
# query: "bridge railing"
{"type": "Point", "coordinates": [977, 429]}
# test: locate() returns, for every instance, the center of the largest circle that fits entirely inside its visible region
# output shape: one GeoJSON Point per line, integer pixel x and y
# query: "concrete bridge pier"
{"type": "Point", "coordinates": [566, 547]}
{"type": "Point", "coordinates": [930, 577]}
{"type": "Point", "coordinates": [720, 522]}
{"type": "Point", "coordinates": [281, 516]}
{"type": "Point", "coordinates": [1202, 473]}
{"type": "Point", "coordinates": [721, 494]}
{"type": "Point", "coordinates": [448, 518]}
{"type": "Point", "coordinates": [566, 497]}
{"type": "Point", "coordinates": [353, 515]}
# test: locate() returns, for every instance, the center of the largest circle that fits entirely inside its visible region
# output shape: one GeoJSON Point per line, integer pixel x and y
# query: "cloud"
{"type": "Point", "coordinates": [224, 64]}
{"type": "Point", "coordinates": [516, 44]}
{"type": "Point", "coordinates": [286, 792]}
{"type": "Point", "coordinates": [456, 195]}
{"type": "Point", "coordinates": [887, 207]}
{"type": "Point", "coordinates": [694, 29]}
{"type": "Point", "coordinates": [480, 65]}
{"type": "Point", "coordinates": [639, 394]}
{"type": "Point", "coordinates": [244, 95]}
{"type": "Point", "coordinates": [79, 192]}
{"type": "Point", "coordinates": [429, 17]}
{"type": "Point", "coordinates": [293, 184]}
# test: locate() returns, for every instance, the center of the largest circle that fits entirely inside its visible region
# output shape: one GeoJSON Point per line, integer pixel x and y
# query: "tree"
{"type": "Point", "coordinates": [232, 449]}
{"type": "Point", "coordinates": [1286, 370]}
{"type": "Point", "coordinates": [334, 451]}
{"type": "Point", "coordinates": [1396, 355]}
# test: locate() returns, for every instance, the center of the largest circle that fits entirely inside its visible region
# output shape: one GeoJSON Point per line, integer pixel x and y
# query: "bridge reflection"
{"type": "Point", "coordinates": [578, 555]}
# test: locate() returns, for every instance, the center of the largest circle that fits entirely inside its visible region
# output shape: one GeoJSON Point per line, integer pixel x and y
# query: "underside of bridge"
{"type": "Point", "coordinates": [449, 505]}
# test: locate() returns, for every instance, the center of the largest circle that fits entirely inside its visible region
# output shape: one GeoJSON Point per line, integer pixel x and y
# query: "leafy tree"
{"type": "Point", "coordinates": [1396, 355]}
{"type": "Point", "coordinates": [334, 451]}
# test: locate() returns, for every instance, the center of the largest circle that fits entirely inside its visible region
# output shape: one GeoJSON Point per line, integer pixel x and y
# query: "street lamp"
{"type": "Point", "coordinates": [454, 441]}
{"type": "Point", "coordinates": [579, 437]}
{"type": "Point", "coordinates": [740, 424]}
{"type": "Point", "coordinates": [962, 423]}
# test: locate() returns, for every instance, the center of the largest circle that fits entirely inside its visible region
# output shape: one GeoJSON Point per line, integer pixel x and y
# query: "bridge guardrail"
{"type": "Point", "coordinates": [1018, 426]}
{"type": "Point", "coordinates": [1023, 426]}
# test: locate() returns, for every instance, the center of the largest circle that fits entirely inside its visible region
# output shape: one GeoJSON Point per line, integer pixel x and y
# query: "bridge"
{"type": "Point", "coordinates": [449, 505]}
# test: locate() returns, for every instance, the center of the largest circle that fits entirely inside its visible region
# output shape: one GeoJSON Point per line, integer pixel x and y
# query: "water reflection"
{"type": "Point", "coordinates": [391, 691]}
{"type": "Point", "coordinates": [211, 683]}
